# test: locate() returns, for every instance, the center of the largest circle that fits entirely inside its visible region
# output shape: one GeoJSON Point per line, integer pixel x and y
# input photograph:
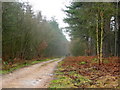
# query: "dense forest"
{"type": "Point", "coordinates": [93, 28]}
{"type": "Point", "coordinates": [26, 35]}
{"type": "Point", "coordinates": [89, 60]}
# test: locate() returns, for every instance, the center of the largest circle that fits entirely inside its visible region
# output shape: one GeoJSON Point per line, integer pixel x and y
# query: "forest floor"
{"type": "Point", "coordinates": [34, 76]}
{"type": "Point", "coordinates": [71, 72]}
{"type": "Point", "coordinates": [85, 72]}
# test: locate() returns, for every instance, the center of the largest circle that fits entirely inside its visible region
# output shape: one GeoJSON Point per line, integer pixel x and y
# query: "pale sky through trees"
{"type": "Point", "coordinates": [51, 8]}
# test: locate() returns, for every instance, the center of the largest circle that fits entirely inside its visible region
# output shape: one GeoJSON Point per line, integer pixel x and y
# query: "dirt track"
{"type": "Point", "coordinates": [35, 76]}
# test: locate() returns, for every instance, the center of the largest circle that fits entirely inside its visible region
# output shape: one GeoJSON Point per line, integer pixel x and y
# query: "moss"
{"type": "Point", "coordinates": [80, 80]}
{"type": "Point", "coordinates": [105, 61]}
{"type": "Point", "coordinates": [95, 60]}
{"type": "Point", "coordinates": [82, 62]}
{"type": "Point", "coordinates": [62, 82]}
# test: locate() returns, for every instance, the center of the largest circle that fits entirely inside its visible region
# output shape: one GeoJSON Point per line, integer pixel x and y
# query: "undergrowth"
{"type": "Point", "coordinates": [85, 72]}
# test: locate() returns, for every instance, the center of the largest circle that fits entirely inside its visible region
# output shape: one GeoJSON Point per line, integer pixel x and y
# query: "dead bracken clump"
{"type": "Point", "coordinates": [103, 76]}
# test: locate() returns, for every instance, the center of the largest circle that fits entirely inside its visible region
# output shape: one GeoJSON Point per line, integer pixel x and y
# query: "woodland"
{"type": "Point", "coordinates": [91, 57]}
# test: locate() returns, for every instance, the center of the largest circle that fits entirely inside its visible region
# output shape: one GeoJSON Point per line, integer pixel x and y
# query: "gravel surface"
{"type": "Point", "coordinates": [35, 76]}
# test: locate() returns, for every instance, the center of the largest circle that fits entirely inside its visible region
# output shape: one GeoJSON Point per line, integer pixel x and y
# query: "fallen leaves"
{"type": "Point", "coordinates": [102, 76]}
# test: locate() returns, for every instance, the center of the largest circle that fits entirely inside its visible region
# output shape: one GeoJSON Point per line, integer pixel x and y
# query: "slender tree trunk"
{"type": "Point", "coordinates": [97, 37]}
{"type": "Point", "coordinates": [101, 41]}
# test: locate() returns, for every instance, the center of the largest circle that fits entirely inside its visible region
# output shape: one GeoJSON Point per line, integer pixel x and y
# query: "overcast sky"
{"type": "Point", "coordinates": [50, 8]}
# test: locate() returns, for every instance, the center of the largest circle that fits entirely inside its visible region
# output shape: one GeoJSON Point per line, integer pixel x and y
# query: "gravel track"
{"type": "Point", "coordinates": [34, 76]}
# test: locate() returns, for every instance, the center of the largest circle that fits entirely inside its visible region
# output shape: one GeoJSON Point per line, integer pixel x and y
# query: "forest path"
{"type": "Point", "coordinates": [35, 76]}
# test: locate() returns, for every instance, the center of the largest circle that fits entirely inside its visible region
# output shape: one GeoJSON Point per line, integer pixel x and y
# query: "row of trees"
{"type": "Point", "coordinates": [91, 28]}
{"type": "Point", "coordinates": [26, 35]}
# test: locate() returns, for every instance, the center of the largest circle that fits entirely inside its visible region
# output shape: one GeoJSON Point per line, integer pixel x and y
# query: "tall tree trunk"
{"type": "Point", "coordinates": [101, 38]}
{"type": "Point", "coordinates": [97, 37]}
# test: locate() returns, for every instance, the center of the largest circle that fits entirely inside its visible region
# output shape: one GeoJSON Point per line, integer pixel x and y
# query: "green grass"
{"type": "Point", "coordinates": [18, 66]}
{"type": "Point", "coordinates": [3, 72]}
{"type": "Point", "coordinates": [63, 81]}
{"type": "Point", "coordinates": [96, 60]}
{"type": "Point", "coordinates": [82, 63]}
{"type": "Point", "coordinates": [37, 61]}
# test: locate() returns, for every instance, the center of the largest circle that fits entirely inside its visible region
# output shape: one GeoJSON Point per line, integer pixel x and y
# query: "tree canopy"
{"type": "Point", "coordinates": [89, 23]}
{"type": "Point", "coordinates": [27, 35]}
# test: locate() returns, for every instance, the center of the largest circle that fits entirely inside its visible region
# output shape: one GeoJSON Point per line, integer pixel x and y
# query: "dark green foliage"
{"type": "Point", "coordinates": [78, 47]}
{"type": "Point", "coordinates": [81, 17]}
{"type": "Point", "coordinates": [27, 35]}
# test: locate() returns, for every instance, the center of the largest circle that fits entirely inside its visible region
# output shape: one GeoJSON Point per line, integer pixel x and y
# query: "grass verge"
{"type": "Point", "coordinates": [21, 65]}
